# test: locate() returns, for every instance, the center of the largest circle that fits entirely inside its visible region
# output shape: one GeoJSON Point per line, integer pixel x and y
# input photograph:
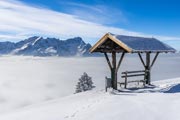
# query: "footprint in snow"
{"type": "Point", "coordinates": [73, 115]}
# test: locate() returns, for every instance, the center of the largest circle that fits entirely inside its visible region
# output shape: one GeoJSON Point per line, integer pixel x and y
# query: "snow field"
{"type": "Point", "coordinates": [28, 83]}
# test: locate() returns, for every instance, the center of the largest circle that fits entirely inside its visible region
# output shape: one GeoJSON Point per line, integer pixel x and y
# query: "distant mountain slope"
{"type": "Point", "coordinates": [39, 46]}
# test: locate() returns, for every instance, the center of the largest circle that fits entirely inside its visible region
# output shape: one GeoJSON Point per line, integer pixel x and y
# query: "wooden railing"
{"type": "Point", "coordinates": [128, 74]}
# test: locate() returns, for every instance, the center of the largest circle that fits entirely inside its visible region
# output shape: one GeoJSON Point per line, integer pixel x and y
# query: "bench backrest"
{"type": "Point", "coordinates": [133, 73]}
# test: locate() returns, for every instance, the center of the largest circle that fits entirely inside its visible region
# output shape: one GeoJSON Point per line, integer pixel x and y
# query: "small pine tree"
{"type": "Point", "coordinates": [85, 83]}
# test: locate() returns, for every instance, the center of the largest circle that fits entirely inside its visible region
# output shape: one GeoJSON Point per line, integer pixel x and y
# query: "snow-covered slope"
{"type": "Point", "coordinates": [39, 46]}
{"type": "Point", "coordinates": [27, 83]}
{"type": "Point", "coordinates": [98, 105]}
{"type": "Point", "coordinates": [6, 47]}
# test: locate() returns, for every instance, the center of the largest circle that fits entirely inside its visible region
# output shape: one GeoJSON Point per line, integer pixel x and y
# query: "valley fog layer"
{"type": "Point", "coordinates": [28, 80]}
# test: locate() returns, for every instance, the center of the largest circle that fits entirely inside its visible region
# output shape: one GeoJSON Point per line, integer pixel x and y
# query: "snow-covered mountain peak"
{"type": "Point", "coordinates": [39, 46]}
{"type": "Point", "coordinates": [37, 40]}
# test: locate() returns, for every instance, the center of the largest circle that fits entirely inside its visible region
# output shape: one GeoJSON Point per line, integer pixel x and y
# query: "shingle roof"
{"type": "Point", "coordinates": [135, 44]}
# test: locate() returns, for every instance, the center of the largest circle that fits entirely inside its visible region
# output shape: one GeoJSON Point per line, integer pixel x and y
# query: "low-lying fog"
{"type": "Point", "coordinates": [29, 80]}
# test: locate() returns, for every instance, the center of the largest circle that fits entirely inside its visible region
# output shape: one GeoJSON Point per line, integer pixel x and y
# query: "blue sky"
{"type": "Point", "coordinates": [90, 19]}
{"type": "Point", "coordinates": [149, 16]}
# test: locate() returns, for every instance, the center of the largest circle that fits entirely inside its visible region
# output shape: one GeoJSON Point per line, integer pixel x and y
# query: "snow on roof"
{"type": "Point", "coordinates": [135, 44]}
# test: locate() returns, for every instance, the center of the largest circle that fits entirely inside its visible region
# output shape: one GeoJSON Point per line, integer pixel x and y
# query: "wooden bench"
{"type": "Point", "coordinates": [128, 74]}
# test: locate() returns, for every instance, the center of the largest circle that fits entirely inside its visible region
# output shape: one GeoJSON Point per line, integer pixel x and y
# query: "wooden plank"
{"type": "Point", "coordinates": [135, 81]}
{"type": "Point", "coordinates": [153, 51]}
{"type": "Point", "coordinates": [133, 71]}
{"type": "Point", "coordinates": [120, 83]}
{"type": "Point", "coordinates": [109, 51]}
{"type": "Point", "coordinates": [120, 61]}
{"type": "Point", "coordinates": [141, 59]}
{"type": "Point", "coordinates": [107, 59]}
{"type": "Point", "coordinates": [154, 59]}
{"type": "Point", "coordinates": [134, 75]}
{"type": "Point", "coordinates": [123, 83]}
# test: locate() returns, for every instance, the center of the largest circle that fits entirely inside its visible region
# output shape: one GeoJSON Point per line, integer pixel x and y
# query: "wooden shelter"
{"type": "Point", "coordinates": [112, 43]}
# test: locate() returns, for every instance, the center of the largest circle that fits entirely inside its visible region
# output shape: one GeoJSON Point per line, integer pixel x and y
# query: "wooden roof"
{"type": "Point", "coordinates": [121, 43]}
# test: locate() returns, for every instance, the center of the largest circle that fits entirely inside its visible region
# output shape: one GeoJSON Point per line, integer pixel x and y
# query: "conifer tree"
{"type": "Point", "coordinates": [85, 83]}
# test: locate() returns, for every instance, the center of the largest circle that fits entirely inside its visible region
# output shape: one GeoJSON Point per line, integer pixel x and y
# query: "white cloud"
{"type": "Point", "coordinates": [97, 13]}
{"type": "Point", "coordinates": [19, 20]}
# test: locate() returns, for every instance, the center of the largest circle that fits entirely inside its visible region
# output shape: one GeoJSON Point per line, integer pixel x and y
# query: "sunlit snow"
{"type": "Point", "coordinates": [27, 81]}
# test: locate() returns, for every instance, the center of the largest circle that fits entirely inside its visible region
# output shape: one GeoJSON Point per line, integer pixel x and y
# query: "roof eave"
{"type": "Point", "coordinates": [92, 49]}
{"type": "Point", "coordinates": [114, 39]}
{"type": "Point", "coordinates": [124, 46]}
{"type": "Point", "coordinates": [154, 51]}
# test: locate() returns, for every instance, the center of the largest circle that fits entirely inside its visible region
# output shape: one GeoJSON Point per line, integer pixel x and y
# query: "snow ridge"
{"type": "Point", "coordinates": [39, 46]}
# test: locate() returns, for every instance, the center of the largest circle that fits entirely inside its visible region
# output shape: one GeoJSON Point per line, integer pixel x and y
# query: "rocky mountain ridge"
{"type": "Point", "coordinates": [39, 46]}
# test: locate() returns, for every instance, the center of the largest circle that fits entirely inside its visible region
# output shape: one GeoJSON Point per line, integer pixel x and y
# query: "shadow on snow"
{"type": "Point", "coordinates": [175, 88]}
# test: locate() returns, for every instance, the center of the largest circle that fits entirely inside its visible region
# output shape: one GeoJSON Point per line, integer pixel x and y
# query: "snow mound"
{"type": "Point", "coordinates": [163, 86]}
{"type": "Point", "coordinates": [173, 89]}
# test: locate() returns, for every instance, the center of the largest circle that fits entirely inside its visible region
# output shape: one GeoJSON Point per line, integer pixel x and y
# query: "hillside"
{"type": "Point", "coordinates": [161, 102]}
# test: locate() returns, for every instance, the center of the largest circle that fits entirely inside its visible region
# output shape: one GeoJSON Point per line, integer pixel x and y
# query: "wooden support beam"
{"type": "Point", "coordinates": [148, 68]}
{"type": "Point", "coordinates": [107, 59]}
{"type": "Point", "coordinates": [120, 61]}
{"type": "Point", "coordinates": [154, 59]}
{"type": "Point", "coordinates": [142, 60]}
{"type": "Point", "coordinates": [113, 72]}
{"type": "Point", "coordinates": [125, 84]}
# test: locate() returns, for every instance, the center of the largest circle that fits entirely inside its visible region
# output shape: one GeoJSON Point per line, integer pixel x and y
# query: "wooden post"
{"type": "Point", "coordinates": [154, 59]}
{"type": "Point", "coordinates": [141, 59]}
{"type": "Point", "coordinates": [113, 72]}
{"type": "Point", "coordinates": [120, 61]}
{"type": "Point", "coordinates": [107, 59]}
{"type": "Point", "coordinates": [148, 68]}
{"type": "Point", "coordinates": [125, 84]}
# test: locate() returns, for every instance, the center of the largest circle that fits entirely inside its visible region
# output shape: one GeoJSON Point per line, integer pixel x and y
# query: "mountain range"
{"type": "Point", "coordinates": [39, 46]}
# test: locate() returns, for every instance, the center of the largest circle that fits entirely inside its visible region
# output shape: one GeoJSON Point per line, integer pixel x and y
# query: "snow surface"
{"type": "Point", "coordinates": [143, 44]}
{"type": "Point", "coordinates": [50, 50]}
{"type": "Point", "coordinates": [21, 48]}
{"type": "Point", "coordinates": [36, 40]}
{"type": "Point", "coordinates": [35, 88]}
{"type": "Point", "coordinates": [25, 46]}
{"type": "Point", "coordinates": [113, 105]}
